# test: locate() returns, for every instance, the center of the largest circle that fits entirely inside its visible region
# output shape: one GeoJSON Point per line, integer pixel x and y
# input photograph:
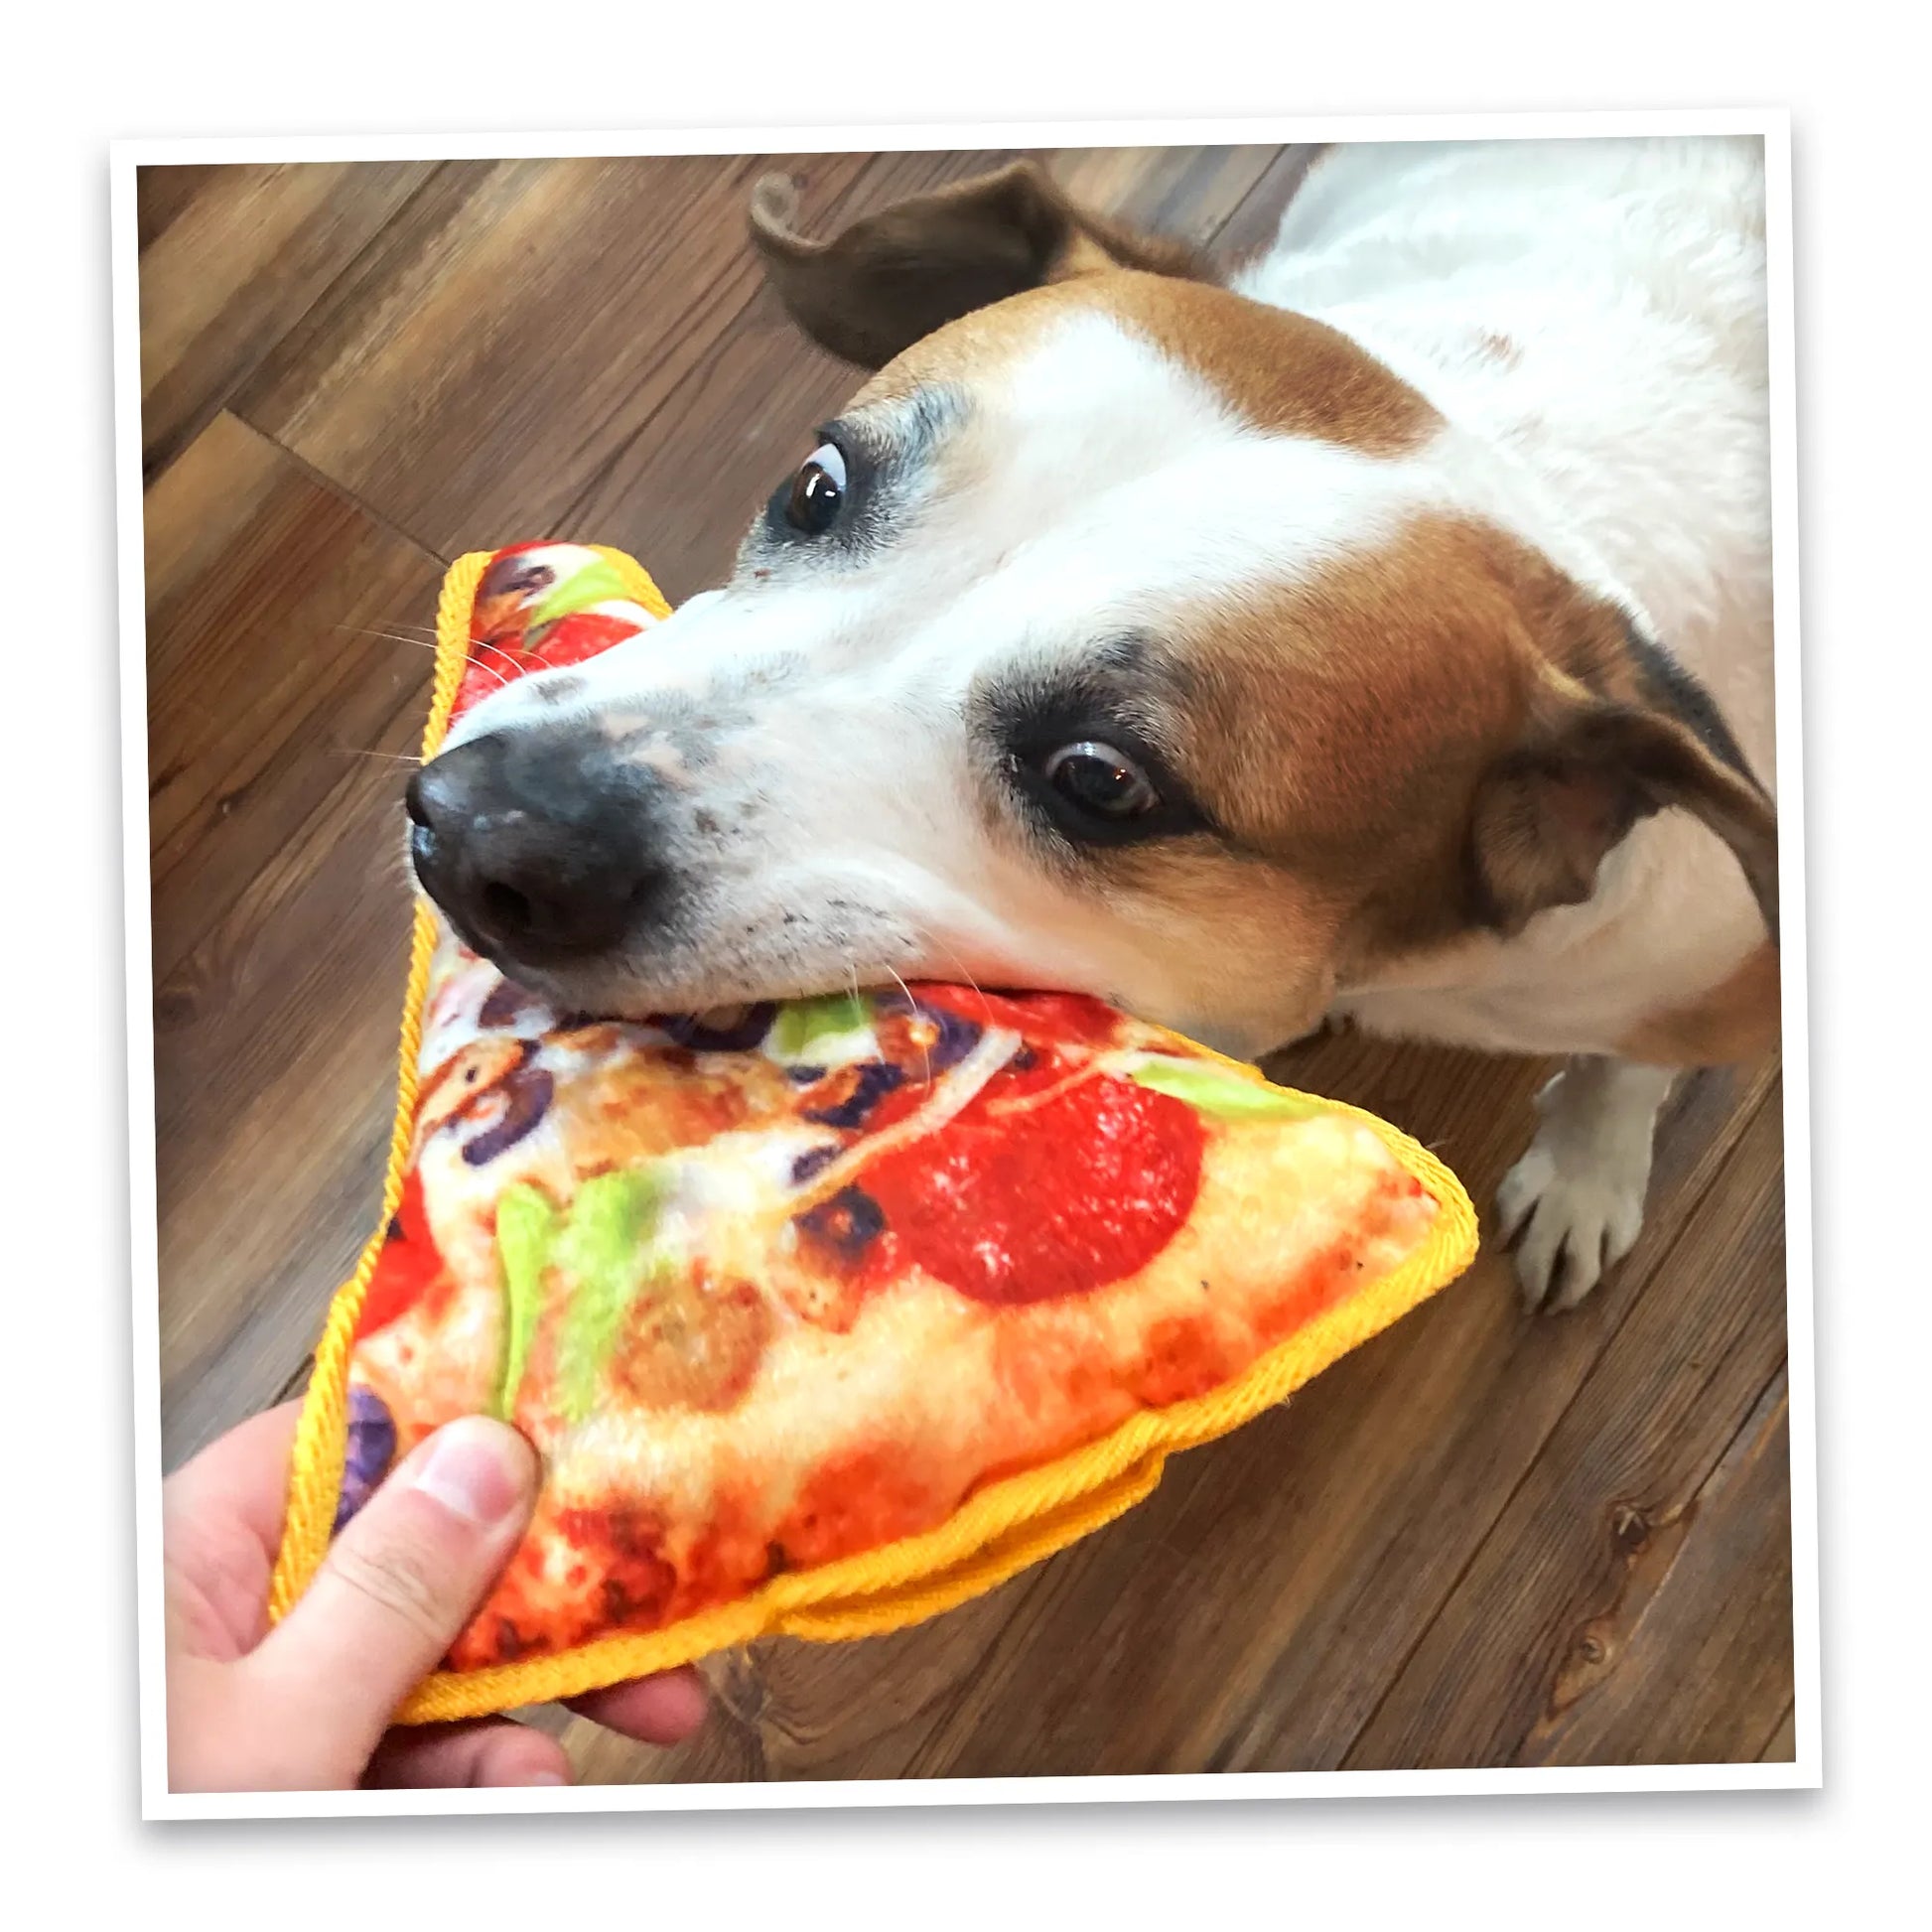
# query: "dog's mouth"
{"type": "Point", "coordinates": [671, 975]}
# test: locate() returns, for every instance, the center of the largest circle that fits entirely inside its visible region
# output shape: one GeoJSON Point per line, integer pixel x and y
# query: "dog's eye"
{"type": "Point", "coordinates": [1102, 781]}
{"type": "Point", "coordinates": [817, 491]}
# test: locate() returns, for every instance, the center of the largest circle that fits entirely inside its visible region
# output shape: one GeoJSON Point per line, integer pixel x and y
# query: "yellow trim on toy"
{"type": "Point", "coordinates": [994, 1535]}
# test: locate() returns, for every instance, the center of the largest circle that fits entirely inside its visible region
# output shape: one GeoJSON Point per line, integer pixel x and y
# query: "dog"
{"type": "Point", "coordinates": [1377, 630]}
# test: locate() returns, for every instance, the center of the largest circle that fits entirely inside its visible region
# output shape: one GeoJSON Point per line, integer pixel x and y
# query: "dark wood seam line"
{"type": "Point", "coordinates": [343, 493]}
{"type": "Point", "coordinates": [158, 878]}
{"type": "Point", "coordinates": [223, 402]}
{"type": "Point", "coordinates": [1226, 221]}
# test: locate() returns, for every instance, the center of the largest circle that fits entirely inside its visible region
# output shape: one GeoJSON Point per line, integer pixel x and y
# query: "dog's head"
{"type": "Point", "coordinates": [1123, 634]}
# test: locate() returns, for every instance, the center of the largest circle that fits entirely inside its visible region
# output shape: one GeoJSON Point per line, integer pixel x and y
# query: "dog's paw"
{"type": "Point", "coordinates": [1573, 1205]}
{"type": "Point", "coordinates": [1573, 1227]}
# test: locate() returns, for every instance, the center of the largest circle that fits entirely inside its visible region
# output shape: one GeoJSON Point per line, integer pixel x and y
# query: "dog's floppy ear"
{"type": "Point", "coordinates": [1584, 771]}
{"type": "Point", "coordinates": [881, 284]}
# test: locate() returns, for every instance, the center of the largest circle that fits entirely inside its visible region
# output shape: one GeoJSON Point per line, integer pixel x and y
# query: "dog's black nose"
{"type": "Point", "coordinates": [535, 846]}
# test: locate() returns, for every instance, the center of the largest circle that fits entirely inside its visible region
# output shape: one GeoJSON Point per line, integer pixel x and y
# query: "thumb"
{"type": "Point", "coordinates": [396, 1586]}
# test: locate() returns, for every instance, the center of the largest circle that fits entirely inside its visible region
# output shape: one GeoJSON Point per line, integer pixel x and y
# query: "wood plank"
{"type": "Point", "coordinates": [266, 679]}
{"type": "Point", "coordinates": [279, 1084]}
{"type": "Point", "coordinates": [161, 194]}
{"type": "Point", "coordinates": [279, 902]}
{"type": "Point", "coordinates": [1693, 1663]}
{"type": "Point", "coordinates": [508, 335]}
{"type": "Point", "coordinates": [623, 418]}
{"type": "Point", "coordinates": [231, 257]}
{"type": "Point", "coordinates": [1534, 1618]}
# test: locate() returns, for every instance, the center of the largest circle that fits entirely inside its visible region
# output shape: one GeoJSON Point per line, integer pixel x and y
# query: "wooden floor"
{"type": "Point", "coordinates": [1483, 1540]}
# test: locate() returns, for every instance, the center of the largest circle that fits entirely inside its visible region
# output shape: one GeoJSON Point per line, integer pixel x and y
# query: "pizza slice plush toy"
{"type": "Point", "coordinates": [823, 1316]}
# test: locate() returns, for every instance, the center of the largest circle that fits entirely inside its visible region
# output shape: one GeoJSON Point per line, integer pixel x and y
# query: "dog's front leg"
{"type": "Point", "coordinates": [1573, 1203]}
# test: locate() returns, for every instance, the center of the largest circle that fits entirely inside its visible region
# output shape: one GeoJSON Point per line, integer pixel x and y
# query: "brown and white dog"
{"type": "Point", "coordinates": [1383, 632]}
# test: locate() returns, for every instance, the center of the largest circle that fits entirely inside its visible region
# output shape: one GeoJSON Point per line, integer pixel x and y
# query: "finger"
{"type": "Point", "coordinates": [398, 1583]}
{"type": "Point", "coordinates": [444, 1757]}
{"type": "Point", "coordinates": [221, 1523]}
{"type": "Point", "coordinates": [243, 1476]}
{"type": "Point", "coordinates": [664, 1710]}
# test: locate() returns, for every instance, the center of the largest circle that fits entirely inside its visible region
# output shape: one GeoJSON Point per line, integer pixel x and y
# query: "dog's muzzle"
{"type": "Point", "coordinates": [538, 850]}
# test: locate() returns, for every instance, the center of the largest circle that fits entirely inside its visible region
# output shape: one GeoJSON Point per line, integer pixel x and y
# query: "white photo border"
{"type": "Point", "coordinates": [126, 156]}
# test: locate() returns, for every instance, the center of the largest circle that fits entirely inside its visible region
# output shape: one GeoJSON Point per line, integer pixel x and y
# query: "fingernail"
{"type": "Point", "coordinates": [477, 1468]}
{"type": "Point", "coordinates": [549, 1777]}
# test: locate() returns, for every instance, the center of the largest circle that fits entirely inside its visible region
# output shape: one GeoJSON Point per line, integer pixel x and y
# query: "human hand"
{"type": "Point", "coordinates": [306, 1706]}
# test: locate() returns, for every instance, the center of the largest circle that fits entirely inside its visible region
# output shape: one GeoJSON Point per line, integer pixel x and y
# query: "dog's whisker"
{"type": "Point", "coordinates": [388, 637]}
{"type": "Point", "coordinates": [486, 643]}
{"type": "Point", "coordinates": [398, 624]}
{"type": "Point", "coordinates": [429, 644]}
{"type": "Point", "coordinates": [393, 758]}
{"type": "Point", "coordinates": [925, 1052]}
{"type": "Point", "coordinates": [979, 991]}
{"type": "Point", "coordinates": [423, 643]}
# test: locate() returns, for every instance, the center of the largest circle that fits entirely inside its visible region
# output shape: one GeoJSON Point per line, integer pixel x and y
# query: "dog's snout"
{"type": "Point", "coordinates": [535, 854]}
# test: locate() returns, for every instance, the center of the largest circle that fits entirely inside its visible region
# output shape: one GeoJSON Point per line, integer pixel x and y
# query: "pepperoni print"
{"type": "Point", "coordinates": [1060, 1199]}
{"type": "Point", "coordinates": [408, 1267]}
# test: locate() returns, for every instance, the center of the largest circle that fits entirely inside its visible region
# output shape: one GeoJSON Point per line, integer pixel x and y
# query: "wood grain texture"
{"type": "Point", "coordinates": [1250, 228]}
{"type": "Point", "coordinates": [1548, 1598]}
{"type": "Point", "coordinates": [230, 258]}
{"type": "Point", "coordinates": [280, 729]}
{"type": "Point", "coordinates": [1482, 1539]}
{"type": "Point", "coordinates": [1781, 1747]}
{"type": "Point", "coordinates": [1701, 1674]}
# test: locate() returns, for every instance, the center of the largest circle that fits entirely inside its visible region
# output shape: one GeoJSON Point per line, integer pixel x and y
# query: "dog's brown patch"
{"type": "Point", "coordinates": [1340, 727]}
{"type": "Point", "coordinates": [1738, 1020]}
{"type": "Point", "coordinates": [964, 274]}
{"type": "Point", "coordinates": [1438, 736]}
{"type": "Point", "coordinates": [1280, 370]}
{"type": "Point", "coordinates": [1335, 731]}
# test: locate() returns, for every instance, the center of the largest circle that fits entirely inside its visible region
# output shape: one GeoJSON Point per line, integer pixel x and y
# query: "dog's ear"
{"type": "Point", "coordinates": [1584, 771]}
{"type": "Point", "coordinates": [881, 284]}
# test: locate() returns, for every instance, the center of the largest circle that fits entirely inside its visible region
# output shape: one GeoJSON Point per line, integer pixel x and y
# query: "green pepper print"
{"type": "Point", "coordinates": [601, 1245]}
{"type": "Point", "coordinates": [595, 580]}
{"type": "Point", "coordinates": [604, 1247]}
{"type": "Point", "coordinates": [526, 1227]}
{"type": "Point", "coordinates": [1216, 1091]}
{"type": "Point", "coordinates": [802, 1024]}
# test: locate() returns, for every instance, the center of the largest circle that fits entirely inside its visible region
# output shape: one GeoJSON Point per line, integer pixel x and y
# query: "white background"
{"type": "Point", "coordinates": [71, 1801]}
